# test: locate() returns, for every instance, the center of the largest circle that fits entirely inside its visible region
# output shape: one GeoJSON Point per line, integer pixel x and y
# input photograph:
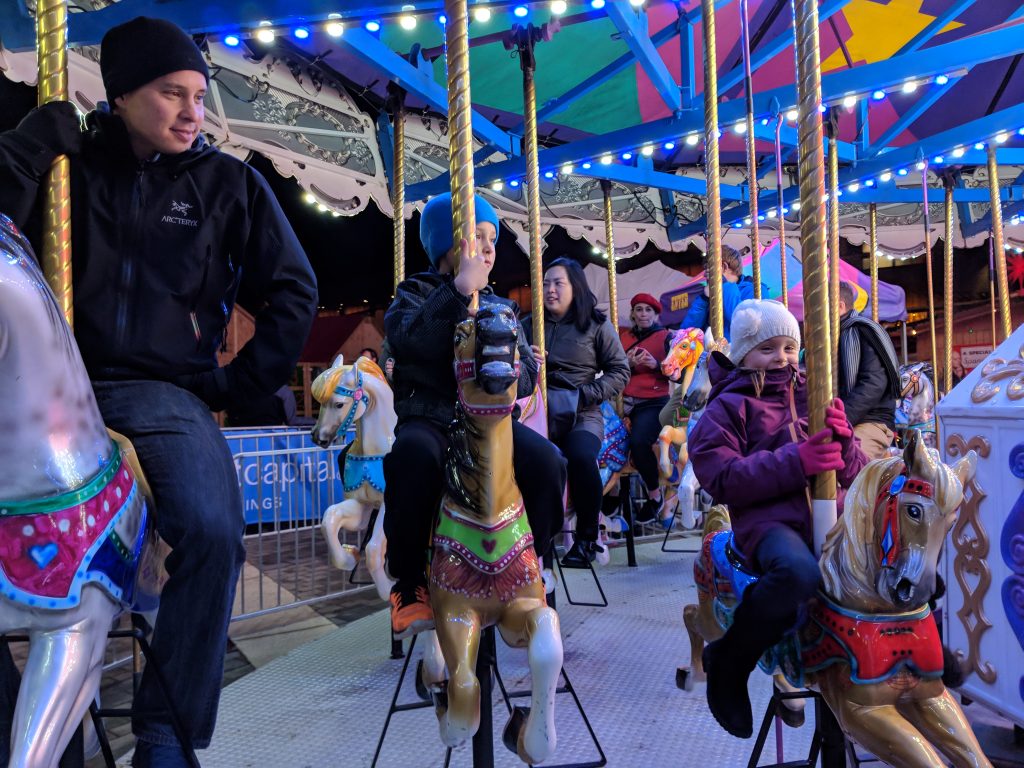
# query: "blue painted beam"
{"type": "Point", "coordinates": [767, 51]}
{"type": "Point", "coordinates": [421, 83]}
{"type": "Point", "coordinates": [908, 118]}
{"type": "Point", "coordinates": [934, 26]}
{"type": "Point", "coordinates": [17, 29]}
{"type": "Point", "coordinates": [688, 72]}
{"type": "Point", "coordinates": [633, 30]}
{"type": "Point", "coordinates": [789, 138]}
{"type": "Point", "coordinates": [1015, 207]}
{"type": "Point", "coordinates": [889, 193]}
{"type": "Point", "coordinates": [386, 142]}
{"type": "Point", "coordinates": [903, 157]}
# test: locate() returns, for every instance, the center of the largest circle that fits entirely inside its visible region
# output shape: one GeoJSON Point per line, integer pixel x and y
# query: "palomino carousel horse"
{"type": "Point", "coordinates": [357, 394]}
{"type": "Point", "coordinates": [73, 513]}
{"type": "Point", "coordinates": [915, 408]}
{"type": "Point", "coordinates": [685, 350]}
{"type": "Point", "coordinates": [484, 570]}
{"type": "Point", "coordinates": [870, 645]}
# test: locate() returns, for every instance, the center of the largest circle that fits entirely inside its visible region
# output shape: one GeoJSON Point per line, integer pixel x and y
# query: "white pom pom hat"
{"type": "Point", "coordinates": [757, 320]}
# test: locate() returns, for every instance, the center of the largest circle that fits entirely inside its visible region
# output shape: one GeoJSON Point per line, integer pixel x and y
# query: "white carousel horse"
{"type": "Point", "coordinates": [915, 408]}
{"type": "Point", "coordinates": [357, 394]}
{"type": "Point", "coordinates": [73, 513]}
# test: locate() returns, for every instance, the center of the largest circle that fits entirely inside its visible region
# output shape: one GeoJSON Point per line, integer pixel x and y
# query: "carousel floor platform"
{"type": "Point", "coordinates": [324, 704]}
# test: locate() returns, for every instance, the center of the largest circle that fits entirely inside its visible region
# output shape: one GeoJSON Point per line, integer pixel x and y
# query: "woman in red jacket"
{"type": "Point", "coordinates": [646, 344]}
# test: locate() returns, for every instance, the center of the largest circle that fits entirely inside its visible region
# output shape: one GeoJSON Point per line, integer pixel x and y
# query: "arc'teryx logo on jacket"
{"type": "Point", "coordinates": [183, 220]}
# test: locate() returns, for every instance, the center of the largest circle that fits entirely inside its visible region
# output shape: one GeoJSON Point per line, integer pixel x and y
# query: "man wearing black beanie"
{"type": "Point", "coordinates": [167, 232]}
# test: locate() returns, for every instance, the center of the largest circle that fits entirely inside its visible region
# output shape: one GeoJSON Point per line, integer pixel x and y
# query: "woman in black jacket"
{"type": "Point", "coordinates": [583, 352]}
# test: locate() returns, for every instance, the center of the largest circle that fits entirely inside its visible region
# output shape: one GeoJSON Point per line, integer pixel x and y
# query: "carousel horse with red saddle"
{"type": "Point", "coordinates": [870, 644]}
{"type": "Point", "coordinates": [77, 545]}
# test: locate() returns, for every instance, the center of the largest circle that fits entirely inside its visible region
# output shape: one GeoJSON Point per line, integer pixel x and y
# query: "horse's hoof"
{"type": "Point", "coordinates": [344, 559]}
{"type": "Point", "coordinates": [684, 682]}
{"type": "Point", "coordinates": [514, 727]}
{"type": "Point", "coordinates": [421, 688]}
{"type": "Point", "coordinates": [794, 718]}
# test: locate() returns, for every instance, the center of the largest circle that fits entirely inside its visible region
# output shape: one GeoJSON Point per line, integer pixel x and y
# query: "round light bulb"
{"type": "Point", "coordinates": [482, 14]}
{"type": "Point", "coordinates": [558, 7]}
{"type": "Point", "coordinates": [335, 29]}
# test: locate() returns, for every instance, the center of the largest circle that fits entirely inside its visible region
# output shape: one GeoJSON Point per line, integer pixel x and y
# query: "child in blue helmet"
{"type": "Point", "coordinates": [419, 328]}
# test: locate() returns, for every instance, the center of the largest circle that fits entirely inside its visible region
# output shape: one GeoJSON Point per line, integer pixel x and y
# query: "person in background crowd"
{"type": "Point", "coordinates": [369, 353]}
{"type": "Point", "coordinates": [869, 376]}
{"type": "Point", "coordinates": [583, 351]}
{"type": "Point", "coordinates": [167, 232]}
{"type": "Point", "coordinates": [736, 287]}
{"type": "Point", "coordinates": [645, 343]}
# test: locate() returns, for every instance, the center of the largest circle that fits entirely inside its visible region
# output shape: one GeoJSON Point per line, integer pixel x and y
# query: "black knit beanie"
{"type": "Point", "coordinates": [141, 50]}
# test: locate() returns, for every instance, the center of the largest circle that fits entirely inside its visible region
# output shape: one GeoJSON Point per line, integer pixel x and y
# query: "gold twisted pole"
{"type": "Point", "coordinates": [609, 236]}
{"type": "Point", "coordinates": [812, 243]}
{"type": "Point", "coordinates": [928, 273]}
{"type": "Point", "coordinates": [833, 254]}
{"type": "Point", "coordinates": [782, 206]}
{"type": "Point", "coordinates": [998, 251]}
{"type": "Point", "coordinates": [714, 209]}
{"type": "Point", "coordinates": [873, 244]}
{"type": "Point", "coordinates": [947, 293]}
{"type": "Point", "coordinates": [528, 63]}
{"type": "Point", "coordinates": [755, 240]}
{"type": "Point", "coordinates": [460, 128]}
{"type": "Point", "coordinates": [52, 44]}
{"type": "Point", "coordinates": [398, 191]}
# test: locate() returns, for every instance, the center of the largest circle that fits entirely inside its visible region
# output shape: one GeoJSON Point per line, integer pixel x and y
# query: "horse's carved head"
{"type": "Point", "coordinates": [696, 396]}
{"type": "Point", "coordinates": [897, 515]}
{"type": "Point", "coordinates": [686, 347]}
{"type": "Point", "coordinates": [487, 362]}
{"type": "Point", "coordinates": [344, 397]}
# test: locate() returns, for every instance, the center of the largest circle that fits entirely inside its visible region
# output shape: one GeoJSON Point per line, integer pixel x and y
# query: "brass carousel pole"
{"type": "Point", "coordinates": [992, 284]}
{"type": "Point", "coordinates": [833, 250]}
{"type": "Point", "coordinates": [755, 241]}
{"type": "Point", "coordinates": [812, 244]}
{"type": "Point", "coordinates": [609, 236]}
{"type": "Point", "coordinates": [398, 184]}
{"type": "Point", "coordinates": [52, 44]}
{"type": "Point", "coordinates": [460, 128]}
{"type": "Point", "coordinates": [928, 273]}
{"type": "Point", "coordinates": [873, 244]}
{"type": "Point", "coordinates": [714, 209]}
{"type": "Point", "coordinates": [998, 252]}
{"type": "Point", "coordinates": [947, 294]}
{"type": "Point", "coordinates": [528, 62]}
{"type": "Point", "coordinates": [782, 206]}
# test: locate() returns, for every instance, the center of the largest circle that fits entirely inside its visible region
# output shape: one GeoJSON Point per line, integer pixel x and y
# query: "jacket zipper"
{"type": "Point", "coordinates": [128, 264]}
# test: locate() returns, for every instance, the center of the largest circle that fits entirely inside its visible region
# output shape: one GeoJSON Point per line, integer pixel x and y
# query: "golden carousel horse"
{"type": "Point", "coordinates": [484, 570]}
{"type": "Point", "coordinates": [870, 645]}
{"type": "Point", "coordinates": [685, 351]}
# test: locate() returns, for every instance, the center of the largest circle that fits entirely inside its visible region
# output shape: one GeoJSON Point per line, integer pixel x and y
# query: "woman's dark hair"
{"type": "Point", "coordinates": [583, 309]}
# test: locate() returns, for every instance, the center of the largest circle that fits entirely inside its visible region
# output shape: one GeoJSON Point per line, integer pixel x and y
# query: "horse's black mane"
{"type": "Point", "coordinates": [464, 462]}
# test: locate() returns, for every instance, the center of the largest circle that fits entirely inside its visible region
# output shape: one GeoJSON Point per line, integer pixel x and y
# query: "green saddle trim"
{"type": "Point", "coordinates": [489, 548]}
{"type": "Point", "coordinates": [51, 504]}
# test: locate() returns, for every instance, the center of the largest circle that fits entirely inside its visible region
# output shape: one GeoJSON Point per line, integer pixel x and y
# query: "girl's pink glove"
{"type": "Point", "coordinates": [820, 454]}
{"type": "Point", "coordinates": [835, 419]}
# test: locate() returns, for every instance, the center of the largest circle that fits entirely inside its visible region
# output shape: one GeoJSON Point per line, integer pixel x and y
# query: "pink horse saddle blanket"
{"type": "Point", "coordinates": [50, 548]}
{"type": "Point", "coordinates": [875, 646]}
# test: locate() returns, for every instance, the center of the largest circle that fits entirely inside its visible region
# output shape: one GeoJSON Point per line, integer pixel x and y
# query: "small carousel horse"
{"type": "Point", "coordinates": [685, 351]}
{"type": "Point", "coordinates": [870, 645]}
{"type": "Point", "coordinates": [74, 526]}
{"type": "Point", "coordinates": [357, 394]}
{"type": "Point", "coordinates": [484, 570]}
{"type": "Point", "coordinates": [915, 408]}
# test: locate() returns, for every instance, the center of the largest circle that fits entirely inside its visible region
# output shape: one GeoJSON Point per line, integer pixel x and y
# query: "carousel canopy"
{"type": "Point", "coordinates": [913, 86]}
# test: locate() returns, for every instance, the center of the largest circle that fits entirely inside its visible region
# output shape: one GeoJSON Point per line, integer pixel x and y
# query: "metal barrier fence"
{"type": "Point", "coordinates": [287, 483]}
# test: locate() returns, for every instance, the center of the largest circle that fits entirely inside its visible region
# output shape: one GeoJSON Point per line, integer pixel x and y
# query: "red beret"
{"type": "Point", "coordinates": [645, 298]}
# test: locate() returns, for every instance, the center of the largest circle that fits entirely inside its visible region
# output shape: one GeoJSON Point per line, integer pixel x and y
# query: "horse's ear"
{"type": "Point", "coordinates": [913, 439]}
{"type": "Point", "coordinates": [966, 467]}
{"type": "Point", "coordinates": [338, 361]}
{"type": "Point", "coordinates": [709, 337]}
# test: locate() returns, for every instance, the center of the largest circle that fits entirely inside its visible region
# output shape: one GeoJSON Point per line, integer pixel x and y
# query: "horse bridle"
{"type": "Point", "coordinates": [358, 396]}
{"type": "Point", "coordinates": [890, 494]}
{"type": "Point", "coordinates": [466, 369]}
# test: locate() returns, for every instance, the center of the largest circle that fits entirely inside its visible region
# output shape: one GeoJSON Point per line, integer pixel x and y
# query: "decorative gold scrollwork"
{"type": "Point", "coordinates": [995, 371]}
{"type": "Point", "coordinates": [972, 549]}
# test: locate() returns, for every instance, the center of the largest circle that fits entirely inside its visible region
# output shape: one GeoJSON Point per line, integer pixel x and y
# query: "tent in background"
{"type": "Point", "coordinates": [892, 304]}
